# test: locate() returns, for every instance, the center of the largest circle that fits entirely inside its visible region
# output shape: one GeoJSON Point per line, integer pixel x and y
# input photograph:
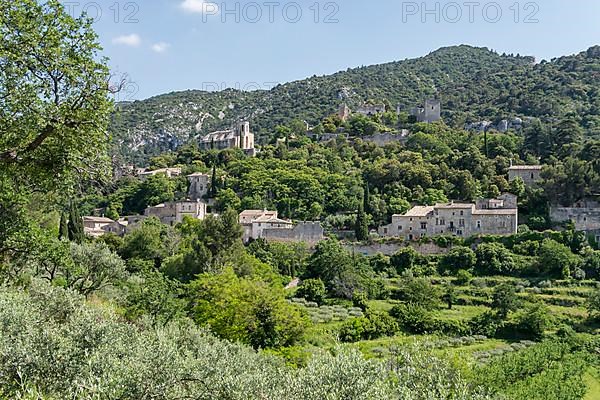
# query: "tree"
{"type": "Point", "coordinates": [75, 225]}
{"type": "Point", "coordinates": [361, 228]}
{"type": "Point", "coordinates": [53, 93]}
{"type": "Point", "coordinates": [534, 320]}
{"type": "Point", "coordinates": [245, 310]}
{"type": "Point", "coordinates": [227, 199]}
{"type": "Point", "coordinates": [504, 299]}
{"type": "Point", "coordinates": [312, 290]}
{"type": "Point", "coordinates": [94, 267]}
{"type": "Point", "coordinates": [420, 292]}
{"type": "Point", "coordinates": [517, 187]}
{"type": "Point", "coordinates": [405, 259]}
{"type": "Point", "coordinates": [458, 258]}
{"type": "Point", "coordinates": [63, 227]}
{"type": "Point", "coordinates": [449, 297]}
{"type": "Point", "coordinates": [557, 259]}
{"type": "Point", "coordinates": [593, 304]}
{"type": "Point", "coordinates": [494, 258]}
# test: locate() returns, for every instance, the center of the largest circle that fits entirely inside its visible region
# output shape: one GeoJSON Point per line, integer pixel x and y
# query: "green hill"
{"type": "Point", "coordinates": [472, 83]}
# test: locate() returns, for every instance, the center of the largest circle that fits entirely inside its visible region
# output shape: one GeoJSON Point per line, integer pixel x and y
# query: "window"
{"type": "Point", "coordinates": [437, 221]}
{"type": "Point", "coordinates": [410, 237]}
{"type": "Point", "coordinates": [459, 232]}
{"type": "Point", "coordinates": [423, 225]}
{"type": "Point", "coordinates": [442, 222]}
{"type": "Point", "coordinates": [462, 213]}
{"type": "Point", "coordinates": [478, 224]}
{"type": "Point", "coordinates": [399, 227]}
{"type": "Point", "coordinates": [410, 229]}
{"type": "Point", "coordinates": [385, 231]}
{"type": "Point", "coordinates": [461, 222]}
{"type": "Point", "coordinates": [411, 220]}
{"type": "Point", "coordinates": [532, 175]}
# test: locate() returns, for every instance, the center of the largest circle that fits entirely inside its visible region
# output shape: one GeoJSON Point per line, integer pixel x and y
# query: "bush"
{"type": "Point", "coordinates": [312, 290]}
{"type": "Point", "coordinates": [534, 320]}
{"type": "Point", "coordinates": [372, 326]}
{"type": "Point", "coordinates": [459, 258]}
{"type": "Point", "coordinates": [413, 318]}
{"type": "Point", "coordinates": [494, 259]}
{"type": "Point", "coordinates": [463, 277]}
{"type": "Point", "coordinates": [420, 292]}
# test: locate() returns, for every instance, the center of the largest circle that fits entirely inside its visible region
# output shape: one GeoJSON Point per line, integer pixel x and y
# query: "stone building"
{"type": "Point", "coordinates": [370, 110]}
{"type": "Point", "coordinates": [486, 217]}
{"type": "Point", "coordinates": [169, 172]}
{"type": "Point", "coordinates": [96, 226]}
{"type": "Point", "coordinates": [199, 185]}
{"type": "Point", "coordinates": [239, 138]}
{"type": "Point", "coordinates": [172, 213]}
{"type": "Point", "coordinates": [381, 139]}
{"type": "Point", "coordinates": [254, 222]}
{"type": "Point", "coordinates": [431, 111]}
{"type": "Point", "coordinates": [531, 174]}
{"type": "Point", "coordinates": [585, 214]}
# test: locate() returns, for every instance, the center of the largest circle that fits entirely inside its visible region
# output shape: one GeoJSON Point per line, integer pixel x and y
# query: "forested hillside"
{"type": "Point", "coordinates": [472, 83]}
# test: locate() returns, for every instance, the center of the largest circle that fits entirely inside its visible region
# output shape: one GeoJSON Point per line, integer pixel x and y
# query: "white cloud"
{"type": "Point", "coordinates": [133, 40]}
{"type": "Point", "coordinates": [160, 47]}
{"type": "Point", "coordinates": [199, 7]}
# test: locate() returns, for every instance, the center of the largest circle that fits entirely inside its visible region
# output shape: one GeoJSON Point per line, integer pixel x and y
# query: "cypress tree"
{"type": "Point", "coordinates": [367, 199]}
{"type": "Point", "coordinates": [75, 225]}
{"type": "Point", "coordinates": [361, 228]}
{"type": "Point", "coordinates": [213, 181]}
{"type": "Point", "coordinates": [63, 228]}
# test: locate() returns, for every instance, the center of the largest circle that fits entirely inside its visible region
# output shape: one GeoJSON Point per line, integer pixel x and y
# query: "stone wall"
{"type": "Point", "coordinates": [585, 219]}
{"type": "Point", "coordinates": [307, 232]}
{"type": "Point", "coordinates": [390, 248]}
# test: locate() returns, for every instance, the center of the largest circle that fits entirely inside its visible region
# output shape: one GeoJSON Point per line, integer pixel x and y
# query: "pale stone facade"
{"type": "Point", "coordinates": [585, 214]}
{"type": "Point", "coordinates": [239, 138]}
{"type": "Point", "coordinates": [255, 222]}
{"type": "Point", "coordinates": [307, 232]}
{"type": "Point", "coordinates": [199, 185]}
{"type": "Point", "coordinates": [172, 213]}
{"type": "Point", "coordinates": [96, 226]}
{"type": "Point", "coordinates": [370, 110]}
{"type": "Point", "coordinates": [431, 111]}
{"type": "Point", "coordinates": [169, 172]}
{"type": "Point", "coordinates": [531, 174]}
{"type": "Point", "coordinates": [486, 217]}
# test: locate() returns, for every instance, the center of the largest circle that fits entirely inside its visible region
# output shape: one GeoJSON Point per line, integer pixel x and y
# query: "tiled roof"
{"type": "Point", "coordinates": [497, 211]}
{"type": "Point", "coordinates": [98, 219]}
{"type": "Point", "coordinates": [419, 211]}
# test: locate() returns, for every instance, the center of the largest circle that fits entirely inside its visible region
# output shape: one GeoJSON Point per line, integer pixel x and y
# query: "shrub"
{"type": "Point", "coordinates": [313, 290]}
{"type": "Point", "coordinates": [459, 258]}
{"type": "Point", "coordinates": [463, 277]}
{"type": "Point", "coordinates": [413, 318]}
{"type": "Point", "coordinates": [494, 259]}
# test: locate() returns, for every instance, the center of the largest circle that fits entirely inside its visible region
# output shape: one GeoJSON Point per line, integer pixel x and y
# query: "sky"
{"type": "Point", "coordinates": [171, 45]}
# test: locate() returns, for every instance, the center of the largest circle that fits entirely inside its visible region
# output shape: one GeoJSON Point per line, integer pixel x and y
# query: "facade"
{"type": "Point", "coordinates": [585, 214]}
{"type": "Point", "coordinates": [172, 213]}
{"type": "Point", "coordinates": [486, 217]}
{"type": "Point", "coordinates": [169, 172]}
{"type": "Point", "coordinates": [431, 111]}
{"type": "Point", "coordinates": [531, 174]}
{"type": "Point", "coordinates": [238, 138]}
{"type": "Point", "coordinates": [255, 222]}
{"type": "Point", "coordinates": [370, 110]}
{"type": "Point", "coordinates": [307, 232]}
{"type": "Point", "coordinates": [199, 185]}
{"type": "Point", "coordinates": [96, 226]}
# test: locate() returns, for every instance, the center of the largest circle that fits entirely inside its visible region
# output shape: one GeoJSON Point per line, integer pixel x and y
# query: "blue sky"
{"type": "Point", "coordinates": [170, 45]}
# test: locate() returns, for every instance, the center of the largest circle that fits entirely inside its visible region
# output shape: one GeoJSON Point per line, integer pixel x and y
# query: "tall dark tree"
{"type": "Point", "coordinates": [214, 186]}
{"type": "Point", "coordinates": [63, 228]}
{"type": "Point", "coordinates": [367, 199]}
{"type": "Point", "coordinates": [75, 225]}
{"type": "Point", "coordinates": [361, 228]}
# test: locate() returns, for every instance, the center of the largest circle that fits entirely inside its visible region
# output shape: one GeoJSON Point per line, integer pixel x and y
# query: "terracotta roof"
{"type": "Point", "coordinates": [272, 220]}
{"type": "Point", "coordinates": [455, 205]}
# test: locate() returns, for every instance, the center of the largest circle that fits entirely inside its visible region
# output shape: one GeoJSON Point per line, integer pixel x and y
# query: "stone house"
{"type": "Point", "coordinates": [95, 226]}
{"type": "Point", "coordinates": [239, 138]}
{"type": "Point", "coordinates": [173, 212]}
{"type": "Point", "coordinates": [486, 217]}
{"type": "Point", "coordinates": [430, 112]}
{"type": "Point", "coordinates": [169, 172]}
{"type": "Point", "coordinates": [199, 185]}
{"type": "Point", "coordinates": [531, 174]}
{"type": "Point", "coordinates": [255, 222]}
